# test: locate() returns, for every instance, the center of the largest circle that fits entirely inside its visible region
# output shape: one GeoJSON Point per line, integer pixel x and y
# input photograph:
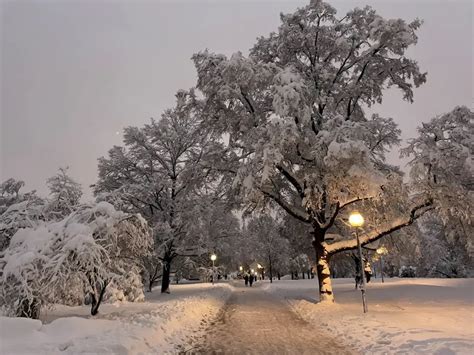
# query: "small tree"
{"type": "Point", "coordinates": [10, 193]}
{"type": "Point", "coordinates": [65, 194]}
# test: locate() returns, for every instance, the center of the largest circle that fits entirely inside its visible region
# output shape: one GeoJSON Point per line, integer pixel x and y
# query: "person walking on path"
{"type": "Point", "coordinates": [246, 278]}
{"type": "Point", "coordinates": [367, 270]}
{"type": "Point", "coordinates": [251, 280]}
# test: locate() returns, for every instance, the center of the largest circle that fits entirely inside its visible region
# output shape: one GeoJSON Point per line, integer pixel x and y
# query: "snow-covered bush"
{"type": "Point", "coordinates": [130, 289]}
{"type": "Point", "coordinates": [450, 263]}
{"type": "Point", "coordinates": [62, 262]}
{"type": "Point", "coordinates": [407, 271]}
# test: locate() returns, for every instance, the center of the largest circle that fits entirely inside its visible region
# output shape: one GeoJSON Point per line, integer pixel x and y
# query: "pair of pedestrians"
{"type": "Point", "coordinates": [249, 278]}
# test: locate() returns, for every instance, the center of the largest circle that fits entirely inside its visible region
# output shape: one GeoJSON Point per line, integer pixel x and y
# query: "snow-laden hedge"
{"type": "Point", "coordinates": [74, 259]}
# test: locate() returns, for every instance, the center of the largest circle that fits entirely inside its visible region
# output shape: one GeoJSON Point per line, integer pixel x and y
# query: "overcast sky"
{"type": "Point", "coordinates": [73, 73]}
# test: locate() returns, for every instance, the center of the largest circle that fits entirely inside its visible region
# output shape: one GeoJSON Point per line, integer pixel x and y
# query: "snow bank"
{"type": "Point", "coordinates": [428, 316]}
{"type": "Point", "coordinates": [162, 324]}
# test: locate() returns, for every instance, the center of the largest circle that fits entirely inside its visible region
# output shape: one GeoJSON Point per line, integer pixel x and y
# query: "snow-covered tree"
{"type": "Point", "coordinates": [216, 228]}
{"type": "Point", "coordinates": [442, 168]}
{"type": "Point", "coordinates": [160, 173]}
{"type": "Point", "coordinates": [300, 263]}
{"type": "Point", "coordinates": [75, 257]}
{"type": "Point", "coordinates": [65, 194]}
{"type": "Point", "coordinates": [441, 254]}
{"type": "Point", "coordinates": [18, 210]}
{"type": "Point", "coordinates": [10, 193]}
{"type": "Point", "coordinates": [271, 248]}
{"type": "Point", "coordinates": [297, 132]}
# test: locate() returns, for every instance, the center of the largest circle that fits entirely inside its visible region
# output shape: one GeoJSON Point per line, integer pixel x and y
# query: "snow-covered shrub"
{"type": "Point", "coordinates": [450, 264]}
{"type": "Point", "coordinates": [130, 288]}
{"type": "Point", "coordinates": [407, 271]}
{"type": "Point", "coordinates": [64, 261]}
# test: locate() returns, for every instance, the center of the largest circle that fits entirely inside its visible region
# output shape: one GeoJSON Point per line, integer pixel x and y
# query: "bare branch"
{"type": "Point", "coordinates": [357, 199]}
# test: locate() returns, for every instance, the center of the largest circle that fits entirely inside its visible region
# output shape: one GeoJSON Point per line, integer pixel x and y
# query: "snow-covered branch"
{"type": "Point", "coordinates": [379, 233]}
{"type": "Point", "coordinates": [292, 210]}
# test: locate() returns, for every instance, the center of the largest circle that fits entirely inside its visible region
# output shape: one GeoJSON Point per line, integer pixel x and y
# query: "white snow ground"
{"type": "Point", "coordinates": [159, 325]}
{"type": "Point", "coordinates": [406, 316]}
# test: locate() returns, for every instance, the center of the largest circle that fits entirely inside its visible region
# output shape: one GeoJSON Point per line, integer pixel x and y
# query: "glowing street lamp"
{"type": "Point", "coordinates": [262, 271]}
{"type": "Point", "coordinates": [213, 258]}
{"type": "Point", "coordinates": [356, 220]}
{"type": "Point", "coordinates": [241, 268]}
{"type": "Point", "coordinates": [381, 252]}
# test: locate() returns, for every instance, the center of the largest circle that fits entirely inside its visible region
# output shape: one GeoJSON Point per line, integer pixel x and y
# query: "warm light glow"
{"type": "Point", "coordinates": [356, 219]}
{"type": "Point", "coordinates": [241, 268]}
{"type": "Point", "coordinates": [382, 251]}
{"type": "Point", "coordinates": [213, 257]}
{"type": "Point", "coordinates": [252, 271]}
{"type": "Point", "coordinates": [259, 266]}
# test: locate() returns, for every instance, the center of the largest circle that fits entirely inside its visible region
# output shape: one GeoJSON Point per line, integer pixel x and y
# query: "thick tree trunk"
{"type": "Point", "coordinates": [323, 272]}
{"type": "Point", "coordinates": [302, 274]}
{"type": "Point", "coordinates": [278, 275]}
{"type": "Point", "coordinates": [165, 280]}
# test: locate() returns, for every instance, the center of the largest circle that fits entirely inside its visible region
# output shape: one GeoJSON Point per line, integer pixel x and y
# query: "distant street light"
{"type": "Point", "coordinates": [213, 258]}
{"type": "Point", "coordinates": [356, 220]}
{"type": "Point", "coordinates": [261, 268]}
{"type": "Point", "coordinates": [241, 268]}
{"type": "Point", "coordinates": [381, 252]}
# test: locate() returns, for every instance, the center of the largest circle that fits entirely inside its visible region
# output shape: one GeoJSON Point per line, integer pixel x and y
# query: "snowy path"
{"type": "Point", "coordinates": [256, 322]}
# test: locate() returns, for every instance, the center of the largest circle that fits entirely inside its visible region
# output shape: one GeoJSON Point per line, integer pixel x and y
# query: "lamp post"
{"type": "Point", "coordinates": [356, 220]}
{"type": "Point", "coordinates": [381, 252]}
{"type": "Point", "coordinates": [213, 258]}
